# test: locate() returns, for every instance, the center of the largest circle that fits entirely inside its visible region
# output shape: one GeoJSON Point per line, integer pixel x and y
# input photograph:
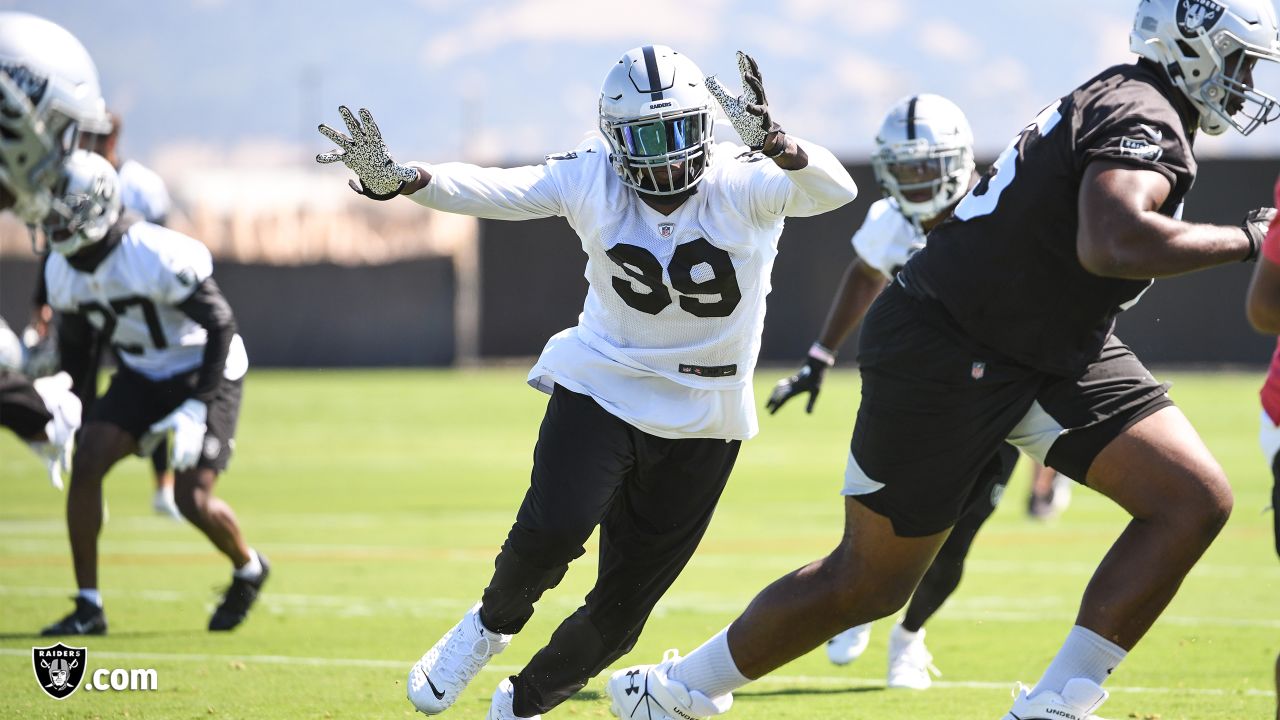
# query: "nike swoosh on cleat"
{"type": "Point", "coordinates": [439, 695]}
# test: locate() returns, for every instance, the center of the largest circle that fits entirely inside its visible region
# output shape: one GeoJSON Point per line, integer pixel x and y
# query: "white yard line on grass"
{"type": "Point", "coordinates": [979, 609]}
{"type": "Point", "coordinates": [784, 680]}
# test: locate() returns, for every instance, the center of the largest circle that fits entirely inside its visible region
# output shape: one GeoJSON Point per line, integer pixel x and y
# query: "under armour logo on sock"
{"type": "Point", "coordinates": [633, 687]}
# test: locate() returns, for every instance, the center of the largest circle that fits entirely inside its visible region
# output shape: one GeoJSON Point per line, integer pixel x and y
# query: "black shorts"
{"type": "Point", "coordinates": [936, 406]}
{"type": "Point", "coordinates": [133, 403]}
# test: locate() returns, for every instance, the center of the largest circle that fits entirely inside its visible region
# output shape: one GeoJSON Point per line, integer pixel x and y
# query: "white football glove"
{"type": "Point", "coordinates": [188, 426]}
{"type": "Point", "coordinates": [748, 113]}
{"type": "Point", "coordinates": [60, 432]}
{"type": "Point", "coordinates": [381, 177]}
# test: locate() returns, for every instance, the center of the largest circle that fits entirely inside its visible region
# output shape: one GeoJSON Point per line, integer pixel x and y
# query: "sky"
{"type": "Point", "coordinates": [201, 82]}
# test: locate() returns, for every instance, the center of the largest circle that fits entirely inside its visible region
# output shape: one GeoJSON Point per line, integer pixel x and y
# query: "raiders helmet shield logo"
{"type": "Point", "coordinates": [1197, 16]}
{"type": "Point", "coordinates": [59, 669]}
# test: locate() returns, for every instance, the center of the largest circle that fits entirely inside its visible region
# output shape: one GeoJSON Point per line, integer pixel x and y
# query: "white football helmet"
{"type": "Point", "coordinates": [49, 93]}
{"type": "Point", "coordinates": [657, 115]}
{"type": "Point", "coordinates": [1209, 49]}
{"type": "Point", "coordinates": [924, 155]}
{"type": "Point", "coordinates": [86, 204]}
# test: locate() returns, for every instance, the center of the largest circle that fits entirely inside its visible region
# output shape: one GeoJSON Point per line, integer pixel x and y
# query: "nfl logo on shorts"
{"type": "Point", "coordinates": [978, 370]}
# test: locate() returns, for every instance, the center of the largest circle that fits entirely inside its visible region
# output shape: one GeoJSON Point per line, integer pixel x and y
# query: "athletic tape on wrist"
{"type": "Point", "coordinates": [820, 353]}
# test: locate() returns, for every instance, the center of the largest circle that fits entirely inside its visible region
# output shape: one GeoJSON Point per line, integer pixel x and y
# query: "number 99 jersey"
{"type": "Point", "coordinates": [1005, 265]}
{"type": "Point", "coordinates": [670, 329]}
{"type": "Point", "coordinates": [132, 297]}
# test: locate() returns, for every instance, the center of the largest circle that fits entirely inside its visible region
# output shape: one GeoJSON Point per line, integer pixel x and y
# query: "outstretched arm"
{"type": "Point", "coordinates": [1122, 234]}
{"type": "Point", "coordinates": [495, 193]}
{"type": "Point", "coordinates": [860, 286]}
{"type": "Point", "coordinates": [819, 183]}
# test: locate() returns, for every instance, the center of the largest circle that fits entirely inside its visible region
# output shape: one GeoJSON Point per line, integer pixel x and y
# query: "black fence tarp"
{"type": "Point", "coordinates": [400, 314]}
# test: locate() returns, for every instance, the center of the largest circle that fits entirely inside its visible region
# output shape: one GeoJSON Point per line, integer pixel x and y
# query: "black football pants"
{"type": "Point", "coordinates": [652, 498]}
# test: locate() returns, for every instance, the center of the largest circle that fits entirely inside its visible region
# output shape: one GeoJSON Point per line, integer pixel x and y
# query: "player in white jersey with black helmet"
{"type": "Point", "coordinates": [924, 165]}
{"type": "Point", "coordinates": [651, 391]}
{"type": "Point", "coordinates": [150, 292]}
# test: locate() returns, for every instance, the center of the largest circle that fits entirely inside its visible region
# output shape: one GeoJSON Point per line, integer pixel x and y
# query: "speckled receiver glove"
{"type": "Point", "coordinates": [1255, 225]}
{"type": "Point", "coordinates": [381, 177]}
{"type": "Point", "coordinates": [749, 113]}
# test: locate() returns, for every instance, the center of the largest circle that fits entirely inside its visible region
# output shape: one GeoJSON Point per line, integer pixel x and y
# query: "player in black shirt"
{"type": "Point", "coordinates": [1001, 329]}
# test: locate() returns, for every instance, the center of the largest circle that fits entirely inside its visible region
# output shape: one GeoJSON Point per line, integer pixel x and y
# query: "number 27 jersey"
{"type": "Point", "coordinates": [670, 329]}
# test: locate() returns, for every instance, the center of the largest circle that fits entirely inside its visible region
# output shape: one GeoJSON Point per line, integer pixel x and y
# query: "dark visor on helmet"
{"type": "Point", "coordinates": [661, 137]}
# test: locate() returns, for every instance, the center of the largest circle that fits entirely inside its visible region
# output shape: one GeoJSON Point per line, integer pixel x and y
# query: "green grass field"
{"type": "Point", "coordinates": [381, 498]}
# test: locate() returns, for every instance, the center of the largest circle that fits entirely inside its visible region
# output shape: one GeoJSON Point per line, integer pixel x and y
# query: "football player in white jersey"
{"type": "Point", "coordinates": [144, 192]}
{"type": "Point", "coordinates": [924, 165]}
{"type": "Point", "coordinates": [150, 292]}
{"type": "Point", "coordinates": [651, 391]}
{"type": "Point", "coordinates": [49, 94]}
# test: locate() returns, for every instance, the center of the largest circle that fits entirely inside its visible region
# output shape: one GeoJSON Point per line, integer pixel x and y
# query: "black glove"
{"type": "Point", "coordinates": [808, 380]}
{"type": "Point", "coordinates": [1255, 225]}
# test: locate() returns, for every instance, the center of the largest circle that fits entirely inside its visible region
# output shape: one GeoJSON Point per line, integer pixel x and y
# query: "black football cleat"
{"type": "Point", "coordinates": [237, 600]}
{"type": "Point", "coordinates": [86, 619]}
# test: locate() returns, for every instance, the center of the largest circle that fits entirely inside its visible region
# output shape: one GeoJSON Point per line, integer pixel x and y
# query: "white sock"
{"type": "Point", "coordinates": [92, 595]}
{"type": "Point", "coordinates": [1085, 654]}
{"type": "Point", "coordinates": [710, 669]}
{"type": "Point", "coordinates": [901, 637]}
{"type": "Point", "coordinates": [250, 570]}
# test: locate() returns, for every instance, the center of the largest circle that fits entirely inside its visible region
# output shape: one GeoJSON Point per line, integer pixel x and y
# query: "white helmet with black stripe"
{"type": "Point", "coordinates": [924, 155]}
{"type": "Point", "coordinates": [657, 115]}
{"type": "Point", "coordinates": [49, 93]}
{"type": "Point", "coordinates": [85, 205]}
{"type": "Point", "coordinates": [1209, 49]}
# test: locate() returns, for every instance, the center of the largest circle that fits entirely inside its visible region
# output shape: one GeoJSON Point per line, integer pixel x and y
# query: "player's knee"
{"type": "Point", "coordinates": [193, 504]}
{"type": "Point", "coordinates": [857, 594]}
{"type": "Point", "coordinates": [550, 546]}
{"type": "Point", "coordinates": [1208, 506]}
{"type": "Point", "coordinates": [94, 453]}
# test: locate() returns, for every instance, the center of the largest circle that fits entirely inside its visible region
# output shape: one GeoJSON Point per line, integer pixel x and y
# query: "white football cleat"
{"type": "Point", "coordinates": [1078, 700]}
{"type": "Point", "coordinates": [645, 692]}
{"type": "Point", "coordinates": [500, 708]}
{"type": "Point", "coordinates": [436, 680]}
{"type": "Point", "coordinates": [910, 662]}
{"type": "Point", "coordinates": [849, 645]}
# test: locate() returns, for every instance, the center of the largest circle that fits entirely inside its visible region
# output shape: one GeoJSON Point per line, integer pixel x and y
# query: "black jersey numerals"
{"type": "Point", "coordinates": [701, 273]}
{"type": "Point", "coordinates": [108, 319]}
{"type": "Point", "coordinates": [984, 196]}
